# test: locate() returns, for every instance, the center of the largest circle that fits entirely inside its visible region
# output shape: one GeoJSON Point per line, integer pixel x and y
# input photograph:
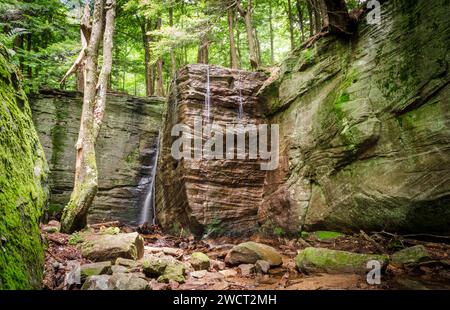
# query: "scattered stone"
{"type": "Point", "coordinates": [156, 286]}
{"type": "Point", "coordinates": [200, 261]}
{"type": "Point", "coordinates": [100, 282]}
{"type": "Point", "coordinates": [168, 251]}
{"type": "Point", "coordinates": [217, 265]}
{"type": "Point", "coordinates": [173, 285]}
{"type": "Point", "coordinates": [247, 269]}
{"type": "Point", "coordinates": [54, 223]}
{"type": "Point", "coordinates": [411, 255]}
{"type": "Point", "coordinates": [154, 266]}
{"type": "Point", "coordinates": [251, 252]}
{"type": "Point", "coordinates": [174, 272]}
{"type": "Point", "coordinates": [110, 247]}
{"type": "Point", "coordinates": [95, 269]}
{"type": "Point", "coordinates": [198, 274]}
{"type": "Point", "coordinates": [262, 266]}
{"type": "Point", "coordinates": [128, 281]}
{"type": "Point", "coordinates": [228, 273]}
{"type": "Point", "coordinates": [126, 262]}
{"type": "Point", "coordinates": [119, 269]}
{"type": "Point", "coordinates": [312, 260]}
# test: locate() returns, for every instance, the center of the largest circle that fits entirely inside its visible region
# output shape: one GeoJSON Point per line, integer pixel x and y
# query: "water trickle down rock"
{"type": "Point", "coordinates": [232, 189]}
{"type": "Point", "coordinates": [125, 150]}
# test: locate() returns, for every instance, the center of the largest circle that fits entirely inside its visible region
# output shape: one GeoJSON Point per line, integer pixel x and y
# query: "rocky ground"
{"type": "Point", "coordinates": [111, 256]}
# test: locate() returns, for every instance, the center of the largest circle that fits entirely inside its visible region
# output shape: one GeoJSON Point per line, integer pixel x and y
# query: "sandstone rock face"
{"type": "Point", "coordinates": [251, 252]}
{"type": "Point", "coordinates": [365, 128]}
{"type": "Point", "coordinates": [100, 248]}
{"type": "Point", "coordinates": [126, 150]}
{"type": "Point", "coordinates": [23, 186]}
{"type": "Point", "coordinates": [311, 260]}
{"type": "Point", "coordinates": [215, 196]}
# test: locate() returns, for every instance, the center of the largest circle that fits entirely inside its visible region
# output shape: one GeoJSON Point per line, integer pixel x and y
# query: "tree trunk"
{"type": "Point", "coordinates": [233, 52]}
{"type": "Point", "coordinates": [324, 14]}
{"type": "Point", "coordinates": [149, 85]}
{"type": "Point", "coordinates": [300, 19]}
{"type": "Point", "coordinates": [317, 18]}
{"type": "Point", "coordinates": [272, 48]}
{"type": "Point", "coordinates": [310, 15]}
{"type": "Point", "coordinates": [159, 68]}
{"type": "Point", "coordinates": [291, 25]}
{"type": "Point", "coordinates": [173, 60]}
{"type": "Point", "coordinates": [337, 15]}
{"type": "Point", "coordinates": [247, 15]}
{"type": "Point", "coordinates": [203, 50]}
{"type": "Point", "coordinates": [86, 175]}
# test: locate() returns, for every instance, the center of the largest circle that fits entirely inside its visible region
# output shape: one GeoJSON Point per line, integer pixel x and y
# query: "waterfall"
{"type": "Point", "coordinates": [241, 101]}
{"type": "Point", "coordinates": [150, 201]}
{"type": "Point", "coordinates": [207, 96]}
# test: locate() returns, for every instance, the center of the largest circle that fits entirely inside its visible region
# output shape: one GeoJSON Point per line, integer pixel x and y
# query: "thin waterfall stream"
{"type": "Point", "coordinates": [150, 201]}
{"type": "Point", "coordinates": [241, 100]}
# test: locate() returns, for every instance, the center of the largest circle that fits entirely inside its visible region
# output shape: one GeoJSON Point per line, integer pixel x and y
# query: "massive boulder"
{"type": "Point", "coordinates": [365, 127]}
{"type": "Point", "coordinates": [210, 196]}
{"type": "Point", "coordinates": [23, 186]}
{"type": "Point", "coordinates": [126, 150]}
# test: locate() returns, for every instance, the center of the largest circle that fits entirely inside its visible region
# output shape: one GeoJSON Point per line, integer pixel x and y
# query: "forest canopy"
{"type": "Point", "coordinates": [155, 37]}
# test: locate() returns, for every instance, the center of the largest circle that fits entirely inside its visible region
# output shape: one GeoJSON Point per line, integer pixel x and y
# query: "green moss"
{"type": "Point", "coordinates": [326, 235]}
{"type": "Point", "coordinates": [75, 238]}
{"type": "Point", "coordinates": [23, 192]}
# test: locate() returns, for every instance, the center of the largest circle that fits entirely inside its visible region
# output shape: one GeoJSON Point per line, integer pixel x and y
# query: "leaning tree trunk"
{"type": "Point", "coordinates": [86, 175]}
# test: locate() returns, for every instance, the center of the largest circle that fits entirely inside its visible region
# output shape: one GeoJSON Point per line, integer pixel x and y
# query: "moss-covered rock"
{"type": "Point", "coordinates": [174, 272]}
{"type": "Point", "coordinates": [311, 260]}
{"type": "Point", "coordinates": [251, 252]}
{"type": "Point", "coordinates": [23, 190]}
{"type": "Point", "coordinates": [95, 269]}
{"type": "Point", "coordinates": [411, 255]}
{"type": "Point", "coordinates": [200, 261]}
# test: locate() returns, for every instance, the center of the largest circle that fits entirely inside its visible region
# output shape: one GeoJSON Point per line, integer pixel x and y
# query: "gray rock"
{"type": "Point", "coordinates": [251, 252]}
{"type": "Point", "coordinates": [110, 247]}
{"type": "Point", "coordinates": [95, 269]}
{"type": "Point", "coordinates": [247, 269]}
{"type": "Point", "coordinates": [119, 269]}
{"type": "Point", "coordinates": [126, 262]}
{"type": "Point", "coordinates": [262, 266]}
{"type": "Point", "coordinates": [100, 282]}
{"type": "Point", "coordinates": [128, 281]}
{"type": "Point", "coordinates": [411, 255]}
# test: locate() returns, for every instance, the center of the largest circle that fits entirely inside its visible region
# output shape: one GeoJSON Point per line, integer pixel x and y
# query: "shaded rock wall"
{"type": "Point", "coordinates": [216, 196]}
{"type": "Point", "coordinates": [365, 127]}
{"type": "Point", "coordinates": [126, 150]}
{"type": "Point", "coordinates": [23, 186]}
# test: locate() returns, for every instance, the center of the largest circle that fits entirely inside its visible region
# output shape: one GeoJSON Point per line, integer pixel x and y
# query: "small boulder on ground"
{"type": "Point", "coordinates": [262, 266]}
{"type": "Point", "coordinates": [411, 255]}
{"type": "Point", "coordinates": [251, 252]}
{"type": "Point", "coordinates": [128, 282]}
{"type": "Point", "coordinates": [100, 247]}
{"type": "Point", "coordinates": [247, 269]}
{"type": "Point", "coordinates": [119, 281]}
{"type": "Point", "coordinates": [97, 283]}
{"type": "Point", "coordinates": [200, 261]}
{"type": "Point", "coordinates": [129, 263]}
{"type": "Point", "coordinates": [95, 269]}
{"type": "Point", "coordinates": [165, 268]}
{"type": "Point", "coordinates": [119, 269]}
{"type": "Point", "coordinates": [311, 260]}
